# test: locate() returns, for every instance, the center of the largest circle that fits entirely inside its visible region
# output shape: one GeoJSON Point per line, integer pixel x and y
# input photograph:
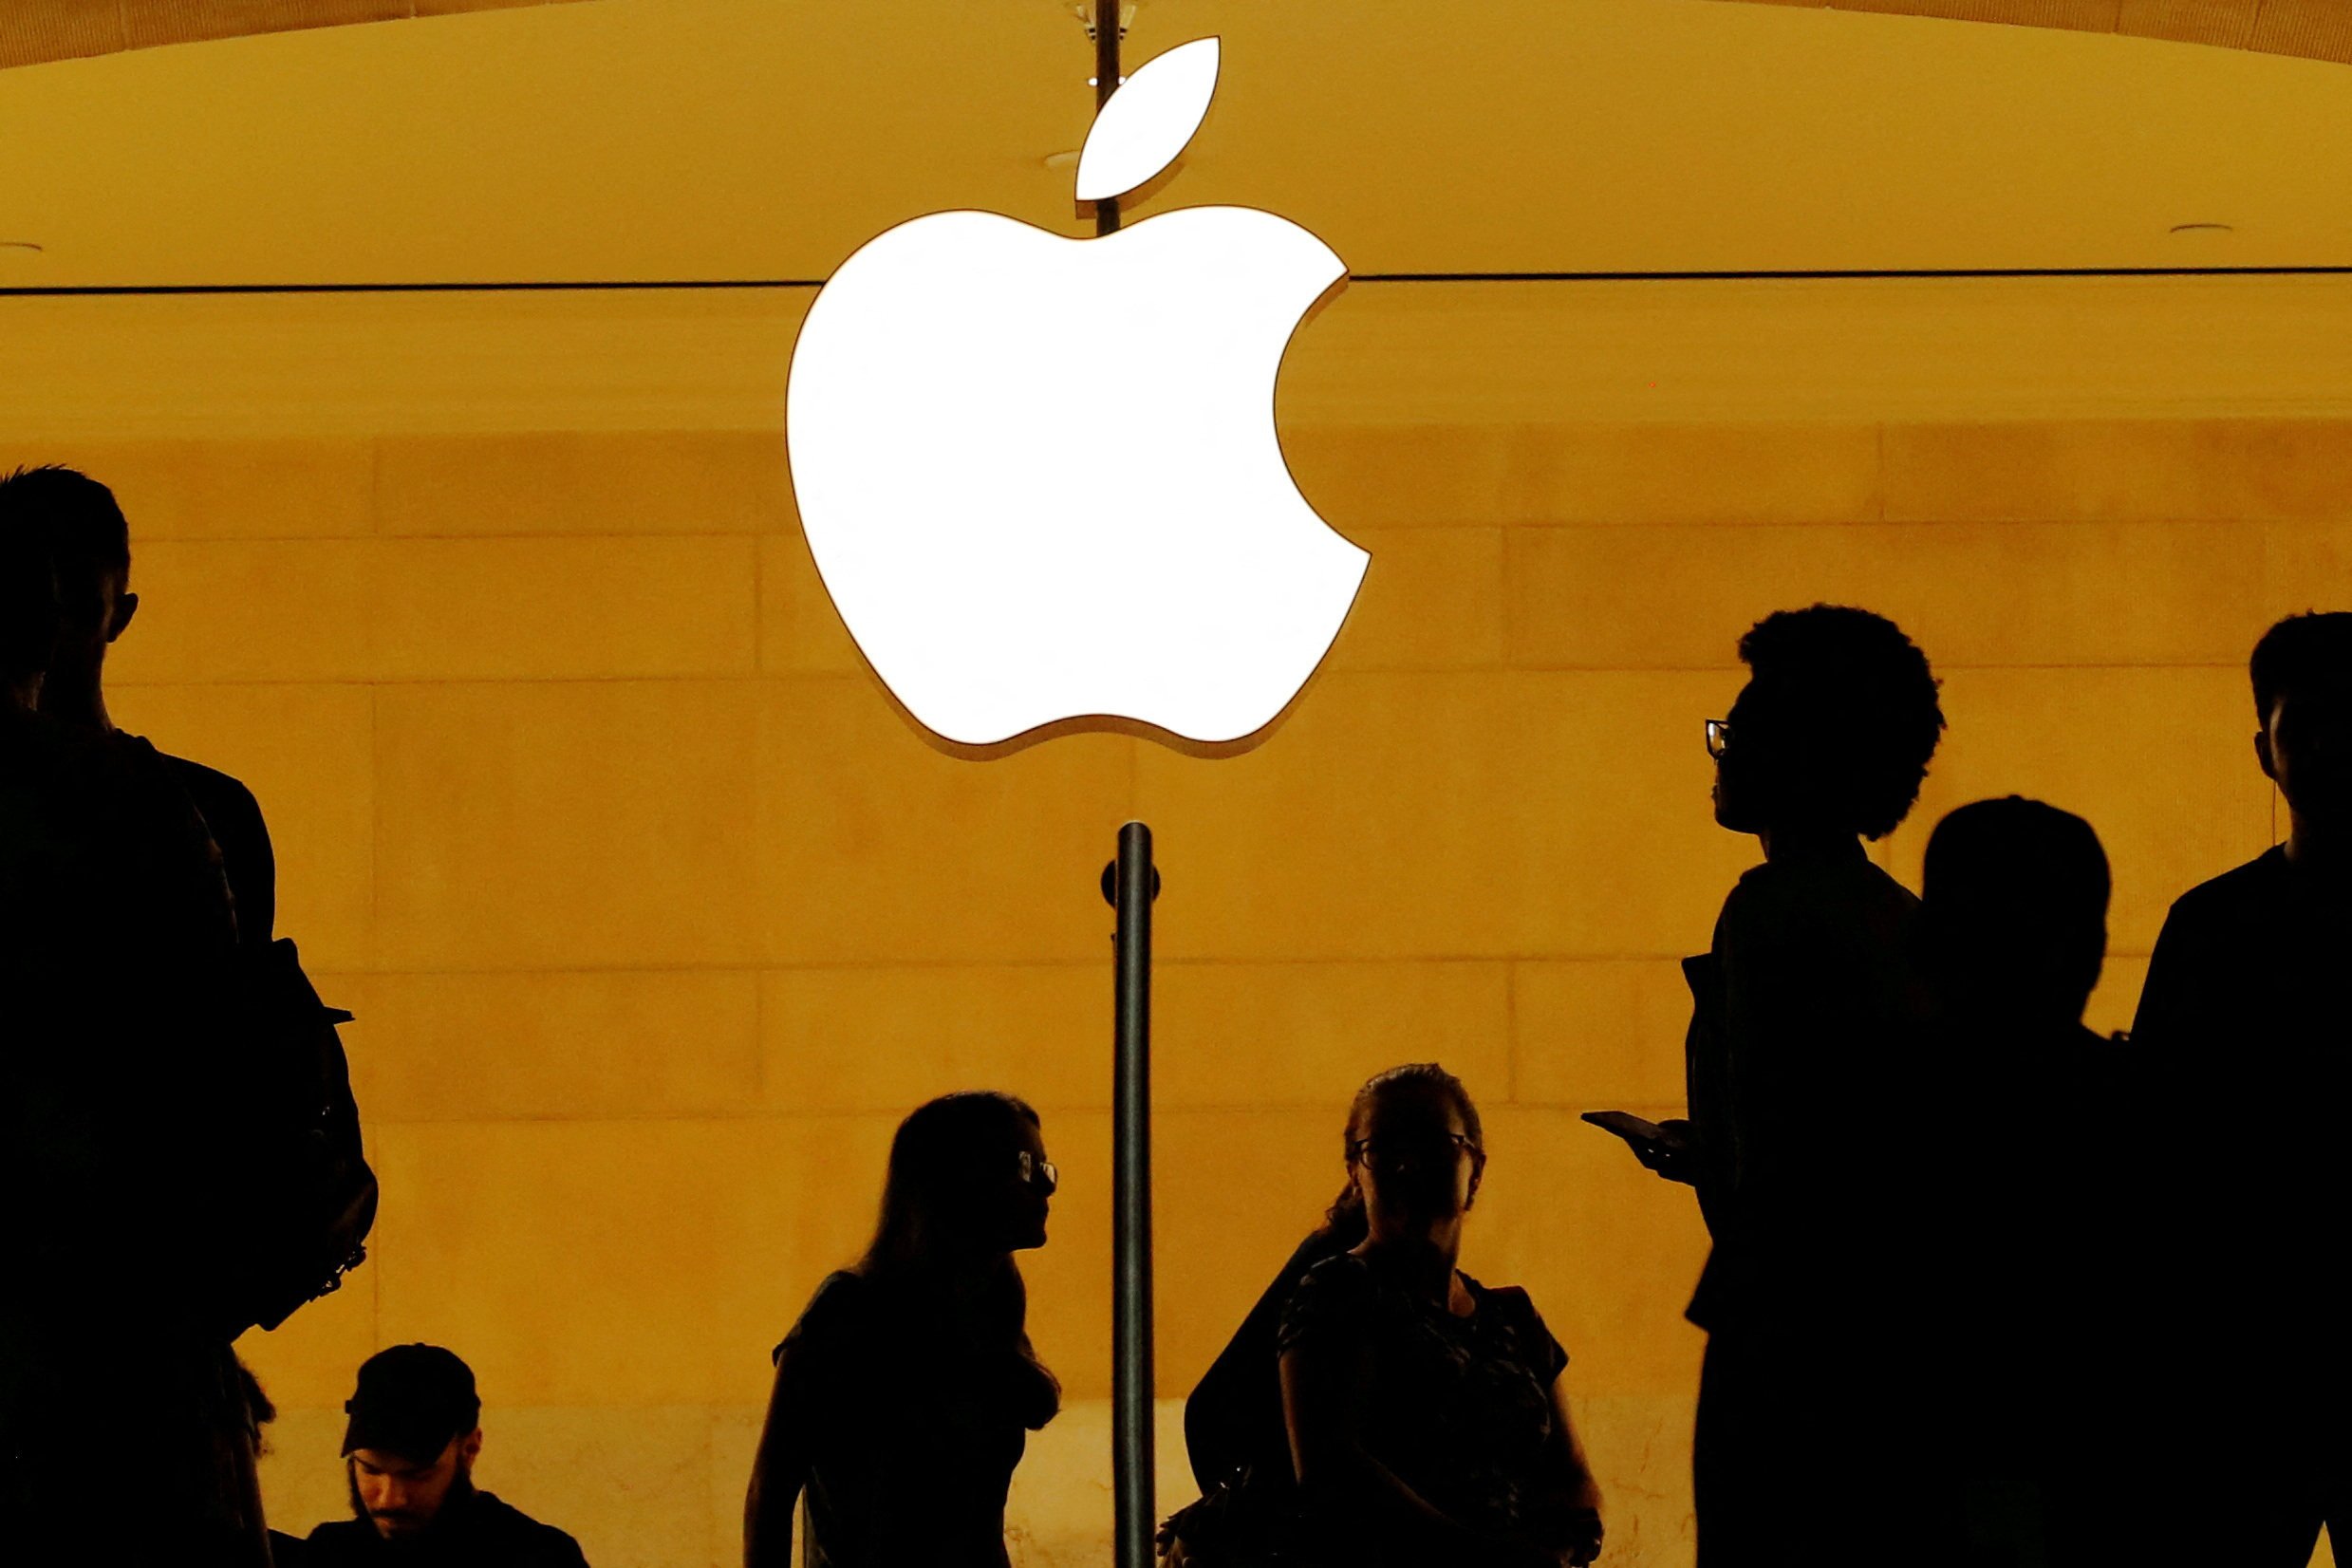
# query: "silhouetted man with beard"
{"type": "Point", "coordinates": [114, 923]}
{"type": "Point", "coordinates": [2244, 1028]}
{"type": "Point", "coordinates": [1804, 1026]}
{"type": "Point", "coordinates": [2029, 1310]}
{"type": "Point", "coordinates": [409, 1451]}
{"type": "Point", "coordinates": [89, 543]}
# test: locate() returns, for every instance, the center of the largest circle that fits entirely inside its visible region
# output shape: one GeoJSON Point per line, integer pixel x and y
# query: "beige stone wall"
{"type": "Point", "coordinates": [656, 917]}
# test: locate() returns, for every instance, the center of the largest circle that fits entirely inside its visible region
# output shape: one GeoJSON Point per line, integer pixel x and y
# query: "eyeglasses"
{"type": "Point", "coordinates": [1039, 1172]}
{"type": "Point", "coordinates": [1426, 1146]}
{"type": "Point", "coordinates": [1718, 738]}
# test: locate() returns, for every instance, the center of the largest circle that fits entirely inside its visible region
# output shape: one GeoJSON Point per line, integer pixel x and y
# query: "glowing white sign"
{"type": "Point", "coordinates": [1039, 476]}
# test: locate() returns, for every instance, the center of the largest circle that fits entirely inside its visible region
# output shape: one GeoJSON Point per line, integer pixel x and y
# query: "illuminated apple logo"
{"type": "Point", "coordinates": [1039, 476]}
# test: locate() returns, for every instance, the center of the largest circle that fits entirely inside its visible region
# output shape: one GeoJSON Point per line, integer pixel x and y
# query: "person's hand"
{"type": "Point", "coordinates": [1674, 1155]}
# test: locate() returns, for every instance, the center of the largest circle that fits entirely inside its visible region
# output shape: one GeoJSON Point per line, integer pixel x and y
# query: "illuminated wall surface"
{"type": "Point", "coordinates": [654, 916]}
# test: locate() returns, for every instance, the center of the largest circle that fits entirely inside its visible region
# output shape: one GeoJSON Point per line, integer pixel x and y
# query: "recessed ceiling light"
{"type": "Point", "coordinates": [2205, 229]}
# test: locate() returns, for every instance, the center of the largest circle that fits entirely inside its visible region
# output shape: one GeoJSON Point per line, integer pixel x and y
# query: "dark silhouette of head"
{"type": "Point", "coordinates": [969, 1187]}
{"type": "Point", "coordinates": [956, 1192]}
{"type": "Point", "coordinates": [1415, 1149]}
{"type": "Point", "coordinates": [76, 520]}
{"type": "Point", "coordinates": [1834, 731]}
{"type": "Point", "coordinates": [2013, 912]}
{"type": "Point", "coordinates": [2303, 699]}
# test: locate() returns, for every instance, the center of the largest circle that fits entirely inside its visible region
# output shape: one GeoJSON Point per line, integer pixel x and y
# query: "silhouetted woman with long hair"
{"type": "Point", "coordinates": [1428, 1427]}
{"type": "Point", "coordinates": [904, 1393]}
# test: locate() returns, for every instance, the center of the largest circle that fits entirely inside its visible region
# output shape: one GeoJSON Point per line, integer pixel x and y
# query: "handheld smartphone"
{"type": "Point", "coordinates": [1664, 1150]}
{"type": "Point", "coordinates": [1633, 1128]}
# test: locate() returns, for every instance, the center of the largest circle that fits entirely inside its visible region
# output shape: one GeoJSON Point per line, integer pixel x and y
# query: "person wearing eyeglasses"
{"type": "Point", "coordinates": [1806, 1025]}
{"type": "Point", "coordinates": [1428, 1424]}
{"type": "Point", "coordinates": [905, 1394]}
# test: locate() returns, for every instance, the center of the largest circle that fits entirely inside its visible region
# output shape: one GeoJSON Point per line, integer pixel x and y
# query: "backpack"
{"type": "Point", "coordinates": [299, 1198]}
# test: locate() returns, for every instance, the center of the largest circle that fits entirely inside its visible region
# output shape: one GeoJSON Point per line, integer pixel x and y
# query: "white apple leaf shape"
{"type": "Point", "coordinates": [1147, 121]}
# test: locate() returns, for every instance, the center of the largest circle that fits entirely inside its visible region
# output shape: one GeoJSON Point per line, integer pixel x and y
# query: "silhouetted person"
{"type": "Point", "coordinates": [114, 923]}
{"type": "Point", "coordinates": [89, 543]}
{"type": "Point", "coordinates": [1428, 1427]}
{"type": "Point", "coordinates": [2031, 1308]}
{"type": "Point", "coordinates": [305, 1196]}
{"type": "Point", "coordinates": [408, 1454]}
{"type": "Point", "coordinates": [2243, 1026]}
{"type": "Point", "coordinates": [1804, 1031]}
{"type": "Point", "coordinates": [906, 1393]}
{"type": "Point", "coordinates": [1233, 1432]}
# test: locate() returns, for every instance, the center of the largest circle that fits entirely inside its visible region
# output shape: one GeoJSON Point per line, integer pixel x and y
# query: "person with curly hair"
{"type": "Point", "coordinates": [1806, 1019]}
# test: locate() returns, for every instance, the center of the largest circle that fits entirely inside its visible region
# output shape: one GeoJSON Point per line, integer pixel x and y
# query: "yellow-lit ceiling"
{"type": "Point", "coordinates": [765, 139]}
{"type": "Point", "coordinates": [36, 30]}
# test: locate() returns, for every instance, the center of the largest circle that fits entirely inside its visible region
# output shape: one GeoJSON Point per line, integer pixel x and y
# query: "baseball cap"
{"type": "Point", "coordinates": [412, 1399]}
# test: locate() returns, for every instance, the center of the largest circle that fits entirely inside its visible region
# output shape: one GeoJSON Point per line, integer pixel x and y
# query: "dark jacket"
{"type": "Point", "coordinates": [233, 818]}
{"type": "Point", "coordinates": [2243, 1036]}
{"type": "Point", "coordinates": [473, 1531]}
{"type": "Point", "coordinates": [1805, 1031]}
{"type": "Point", "coordinates": [115, 922]}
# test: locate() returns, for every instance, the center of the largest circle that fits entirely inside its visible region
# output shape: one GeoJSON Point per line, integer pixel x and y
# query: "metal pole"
{"type": "Point", "coordinates": [1132, 882]}
{"type": "Point", "coordinates": [1106, 82]}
